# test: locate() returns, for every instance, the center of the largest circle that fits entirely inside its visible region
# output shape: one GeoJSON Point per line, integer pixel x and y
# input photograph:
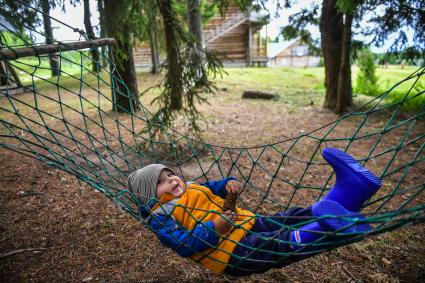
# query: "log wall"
{"type": "Point", "coordinates": [231, 47]}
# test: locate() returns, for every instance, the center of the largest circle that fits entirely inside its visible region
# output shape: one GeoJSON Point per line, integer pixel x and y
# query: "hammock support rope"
{"type": "Point", "coordinates": [67, 122]}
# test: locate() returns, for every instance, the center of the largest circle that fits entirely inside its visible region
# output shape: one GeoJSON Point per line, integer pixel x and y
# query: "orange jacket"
{"type": "Point", "coordinates": [199, 204]}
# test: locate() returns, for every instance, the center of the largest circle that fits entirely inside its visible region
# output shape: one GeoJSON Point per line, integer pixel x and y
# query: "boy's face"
{"type": "Point", "coordinates": [168, 183]}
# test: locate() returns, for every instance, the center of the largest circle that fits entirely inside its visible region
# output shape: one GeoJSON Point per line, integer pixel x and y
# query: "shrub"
{"type": "Point", "coordinates": [366, 78]}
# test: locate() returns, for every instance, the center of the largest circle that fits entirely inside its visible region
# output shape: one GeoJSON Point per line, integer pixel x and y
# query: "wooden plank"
{"type": "Point", "coordinates": [232, 45]}
{"type": "Point", "coordinates": [7, 91]}
{"type": "Point", "coordinates": [249, 51]}
{"type": "Point", "coordinates": [11, 54]}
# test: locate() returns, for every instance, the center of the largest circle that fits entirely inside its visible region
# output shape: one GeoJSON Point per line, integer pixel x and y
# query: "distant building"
{"type": "Point", "coordinates": [291, 54]}
{"type": "Point", "coordinates": [235, 37]}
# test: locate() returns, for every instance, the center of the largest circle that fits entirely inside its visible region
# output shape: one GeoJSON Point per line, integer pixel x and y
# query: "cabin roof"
{"type": "Point", "coordinates": [261, 17]}
{"type": "Point", "coordinates": [275, 48]}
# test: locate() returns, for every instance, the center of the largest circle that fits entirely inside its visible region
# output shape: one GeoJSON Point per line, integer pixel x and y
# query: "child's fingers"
{"type": "Point", "coordinates": [229, 188]}
{"type": "Point", "coordinates": [230, 215]}
{"type": "Point", "coordinates": [233, 186]}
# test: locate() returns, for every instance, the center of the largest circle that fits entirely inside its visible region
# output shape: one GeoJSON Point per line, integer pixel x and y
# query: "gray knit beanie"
{"type": "Point", "coordinates": [142, 182]}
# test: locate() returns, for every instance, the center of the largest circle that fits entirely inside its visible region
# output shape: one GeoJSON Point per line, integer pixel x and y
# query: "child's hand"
{"type": "Point", "coordinates": [222, 226]}
{"type": "Point", "coordinates": [233, 186]}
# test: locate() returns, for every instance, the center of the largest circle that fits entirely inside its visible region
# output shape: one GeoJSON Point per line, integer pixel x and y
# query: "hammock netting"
{"type": "Point", "coordinates": [76, 129]}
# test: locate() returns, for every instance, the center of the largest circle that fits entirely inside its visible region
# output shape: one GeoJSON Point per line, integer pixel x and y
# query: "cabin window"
{"type": "Point", "coordinates": [299, 51]}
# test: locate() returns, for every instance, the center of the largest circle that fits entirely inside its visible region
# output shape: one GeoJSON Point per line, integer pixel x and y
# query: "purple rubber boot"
{"type": "Point", "coordinates": [354, 184]}
{"type": "Point", "coordinates": [333, 217]}
{"type": "Point", "coordinates": [306, 238]}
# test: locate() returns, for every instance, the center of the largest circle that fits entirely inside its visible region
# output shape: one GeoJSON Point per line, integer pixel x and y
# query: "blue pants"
{"type": "Point", "coordinates": [257, 248]}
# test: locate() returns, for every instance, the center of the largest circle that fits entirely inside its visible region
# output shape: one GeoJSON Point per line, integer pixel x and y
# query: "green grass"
{"type": "Point", "coordinates": [275, 78]}
{"type": "Point", "coordinates": [38, 68]}
{"type": "Point", "coordinates": [300, 86]}
{"type": "Point", "coordinates": [304, 78]}
{"type": "Point", "coordinates": [295, 86]}
{"type": "Point", "coordinates": [389, 77]}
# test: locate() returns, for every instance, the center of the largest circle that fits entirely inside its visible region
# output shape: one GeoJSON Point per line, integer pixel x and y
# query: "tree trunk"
{"type": "Point", "coordinates": [195, 27]}
{"type": "Point", "coordinates": [344, 96]}
{"type": "Point", "coordinates": [154, 44]}
{"type": "Point", "coordinates": [124, 81]}
{"type": "Point", "coordinates": [194, 20]}
{"type": "Point", "coordinates": [90, 34]}
{"type": "Point", "coordinates": [175, 69]}
{"type": "Point", "coordinates": [53, 58]}
{"type": "Point", "coordinates": [331, 30]}
{"type": "Point", "coordinates": [100, 8]}
{"type": "Point", "coordinates": [4, 76]}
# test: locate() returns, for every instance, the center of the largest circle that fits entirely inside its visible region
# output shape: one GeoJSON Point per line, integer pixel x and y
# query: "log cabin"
{"type": "Point", "coordinates": [235, 37]}
{"type": "Point", "coordinates": [292, 54]}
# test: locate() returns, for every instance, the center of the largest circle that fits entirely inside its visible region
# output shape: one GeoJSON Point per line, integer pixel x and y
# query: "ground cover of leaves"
{"type": "Point", "coordinates": [79, 235]}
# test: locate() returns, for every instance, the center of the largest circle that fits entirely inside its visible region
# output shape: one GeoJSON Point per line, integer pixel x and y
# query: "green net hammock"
{"type": "Point", "coordinates": [74, 129]}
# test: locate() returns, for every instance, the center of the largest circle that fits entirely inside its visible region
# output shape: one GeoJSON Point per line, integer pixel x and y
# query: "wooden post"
{"type": "Point", "coordinates": [260, 45]}
{"type": "Point", "coordinates": [3, 78]}
{"type": "Point", "coordinates": [8, 75]}
{"type": "Point", "coordinates": [12, 54]}
{"type": "Point", "coordinates": [249, 45]}
{"type": "Point", "coordinates": [267, 43]}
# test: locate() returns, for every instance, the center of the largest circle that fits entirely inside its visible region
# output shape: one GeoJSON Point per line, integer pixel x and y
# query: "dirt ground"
{"type": "Point", "coordinates": [54, 228]}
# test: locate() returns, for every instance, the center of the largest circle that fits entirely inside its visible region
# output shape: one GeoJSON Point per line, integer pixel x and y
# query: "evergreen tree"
{"type": "Point", "coordinates": [182, 85]}
{"type": "Point", "coordinates": [366, 78]}
{"type": "Point", "coordinates": [336, 18]}
{"type": "Point", "coordinates": [90, 34]}
{"type": "Point", "coordinates": [20, 15]}
{"type": "Point", "coordinates": [153, 38]}
{"type": "Point", "coordinates": [102, 32]}
{"type": "Point", "coordinates": [195, 28]}
{"type": "Point", "coordinates": [46, 5]}
{"type": "Point", "coordinates": [122, 22]}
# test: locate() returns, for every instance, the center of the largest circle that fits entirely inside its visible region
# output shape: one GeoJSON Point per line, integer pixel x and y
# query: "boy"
{"type": "Point", "coordinates": [190, 218]}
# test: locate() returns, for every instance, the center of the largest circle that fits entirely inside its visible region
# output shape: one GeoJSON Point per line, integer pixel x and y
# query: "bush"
{"type": "Point", "coordinates": [366, 78]}
{"type": "Point", "coordinates": [413, 99]}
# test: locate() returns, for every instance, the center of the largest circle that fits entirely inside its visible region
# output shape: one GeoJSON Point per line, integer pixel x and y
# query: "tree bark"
{"type": "Point", "coordinates": [90, 33]}
{"type": "Point", "coordinates": [174, 67]}
{"type": "Point", "coordinates": [12, 54]}
{"type": "Point", "coordinates": [194, 20]}
{"type": "Point", "coordinates": [153, 44]}
{"type": "Point", "coordinates": [124, 81]}
{"type": "Point", "coordinates": [100, 8]}
{"type": "Point", "coordinates": [53, 58]}
{"type": "Point", "coordinates": [331, 30]}
{"type": "Point", "coordinates": [195, 27]}
{"type": "Point", "coordinates": [344, 95]}
{"type": "Point", "coordinates": [4, 76]}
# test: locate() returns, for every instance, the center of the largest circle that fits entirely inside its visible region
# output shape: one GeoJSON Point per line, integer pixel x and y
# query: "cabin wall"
{"type": "Point", "coordinates": [295, 55]}
{"type": "Point", "coordinates": [217, 20]}
{"type": "Point", "coordinates": [296, 61]}
{"type": "Point", "coordinates": [142, 56]}
{"type": "Point", "coordinates": [258, 48]}
{"type": "Point", "coordinates": [232, 46]}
